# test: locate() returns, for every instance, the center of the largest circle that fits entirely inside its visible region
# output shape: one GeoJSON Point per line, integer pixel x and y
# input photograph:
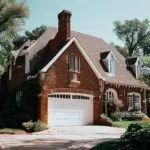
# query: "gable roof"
{"type": "Point", "coordinates": [104, 54]}
{"type": "Point", "coordinates": [132, 61]}
{"type": "Point", "coordinates": [93, 47]}
{"type": "Point", "coordinates": [82, 52]}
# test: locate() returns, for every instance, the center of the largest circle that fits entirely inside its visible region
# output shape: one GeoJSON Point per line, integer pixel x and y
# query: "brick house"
{"type": "Point", "coordinates": [76, 72]}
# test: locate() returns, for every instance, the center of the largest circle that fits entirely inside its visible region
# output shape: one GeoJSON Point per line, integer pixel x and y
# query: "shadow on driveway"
{"type": "Point", "coordinates": [39, 144]}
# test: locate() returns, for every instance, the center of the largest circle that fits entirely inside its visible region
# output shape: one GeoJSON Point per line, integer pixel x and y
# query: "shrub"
{"type": "Point", "coordinates": [134, 127]}
{"type": "Point", "coordinates": [28, 126]}
{"type": "Point", "coordinates": [31, 126]}
{"type": "Point", "coordinates": [39, 126]}
{"type": "Point", "coordinates": [136, 137]}
{"type": "Point", "coordinates": [127, 115]}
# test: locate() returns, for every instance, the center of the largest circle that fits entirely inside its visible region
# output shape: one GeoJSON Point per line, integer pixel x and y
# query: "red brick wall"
{"type": "Point", "coordinates": [57, 79]}
{"type": "Point", "coordinates": [123, 91]}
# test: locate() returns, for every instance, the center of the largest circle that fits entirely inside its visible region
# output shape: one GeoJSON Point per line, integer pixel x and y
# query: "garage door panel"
{"type": "Point", "coordinates": [65, 117]}
{"type": "Point", "coordinates": [70, 111]}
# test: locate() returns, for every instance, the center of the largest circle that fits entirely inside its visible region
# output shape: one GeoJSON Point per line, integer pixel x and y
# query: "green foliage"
{"type": "Point", "coordinates": [146, 60]}
{"type": "Point", "coordinates": [137, 137]}
{"type": "Point", "coordinates": [39, 126]}
{"type": "Point", "coordinates": [19, 40]}
{"type": "Point", "coordinates": [13, 15]}
{"type": "Point", "coordinates": [31, 126]}
{"type": "Point", "coordinates": [30, 96]}
{"type": "Point", "coordinates": [11, 116]}
{"type": "Point", "coordinates": [122, 50]}
{"type": "Point", "coordinates": [28, 126]}
{"type": "Point", "coordinates": [146, 79]}
{"type": "Point", "coordinates": [3, 56]}
{"type": "Point", "coordinates": [135, 34]}
{"type": "Point", "coordinates": [134, 127]}
{"type": "Point", "coordinates": [127, 115]}
{"type": "Point", "coordinates": [36, 33]}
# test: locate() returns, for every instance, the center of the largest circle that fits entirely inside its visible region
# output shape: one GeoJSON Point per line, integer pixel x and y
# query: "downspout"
{"type": "Point", "coordinates": [101, 89]}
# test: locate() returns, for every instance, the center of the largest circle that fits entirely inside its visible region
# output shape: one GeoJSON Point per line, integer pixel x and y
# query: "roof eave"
{"type": "Point", "coordinates": [89, 61]}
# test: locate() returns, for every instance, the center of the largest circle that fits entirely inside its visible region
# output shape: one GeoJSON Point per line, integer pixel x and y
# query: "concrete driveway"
{"type": "Point", "coordinates": [61, 138]}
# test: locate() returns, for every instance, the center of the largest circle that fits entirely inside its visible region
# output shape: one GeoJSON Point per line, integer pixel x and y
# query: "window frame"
{"type": "Point", "coordinates": [111, 65]}
{"type": "Point", "coordinates": [74, 63]}
{"type": "Point", "coordinates": [134, 101]}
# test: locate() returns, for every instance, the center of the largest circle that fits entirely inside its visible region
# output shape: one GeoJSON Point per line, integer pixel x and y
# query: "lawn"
{"type": "Point", "coordinates": [11, 131]}
{"type": "Point", "coordinates": [125, 124]}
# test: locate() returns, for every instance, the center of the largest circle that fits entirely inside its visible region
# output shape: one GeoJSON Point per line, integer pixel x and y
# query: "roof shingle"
{"type": "Point", "coordinates": [93, 46]}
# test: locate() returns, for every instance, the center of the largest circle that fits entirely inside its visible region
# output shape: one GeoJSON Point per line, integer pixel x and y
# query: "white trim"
{"type": "Point", "coordinates": [111, 53]}
{"type": "Point", "coordinates": [99, 76]}
{"type": "Point", "coordinates": [72, 93]}
{"type": "Point", "coordinates": [27, 66]}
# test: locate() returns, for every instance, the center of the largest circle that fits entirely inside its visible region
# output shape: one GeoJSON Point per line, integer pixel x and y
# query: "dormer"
{"type": "Point", "coordinates": [108, 59]}
{"type": "Point", "coordinates": [135, 64]}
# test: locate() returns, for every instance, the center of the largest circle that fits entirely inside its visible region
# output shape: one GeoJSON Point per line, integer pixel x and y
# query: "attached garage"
{"type": "Point", "coordinates": [68, 109]}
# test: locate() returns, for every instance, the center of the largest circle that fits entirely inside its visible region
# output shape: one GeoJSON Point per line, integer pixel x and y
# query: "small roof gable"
{"type": "Point", "coordinates": [104, 54]}
{"type": "Point", "coordinates": [131, 61]}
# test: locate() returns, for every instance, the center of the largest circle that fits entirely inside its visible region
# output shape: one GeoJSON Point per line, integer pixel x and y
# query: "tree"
{"type": "Point", "coordinates": [121, 50]}
{"type": "Point", "coordinates": [36, 33]}
{"type": "Point", "coordinates": [29, 35]}
{"type": "Point", "coordinates": [135, 34]}
{"type": "Point", "coordinates": [18, 41]}
{"type": "Point", "coordinates": [12, 17]}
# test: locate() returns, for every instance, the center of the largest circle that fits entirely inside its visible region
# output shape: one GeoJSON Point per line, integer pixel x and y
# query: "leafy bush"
{"type": "Point", "coordinates": [127, 115]}
{"type": "Point", "coordinates": [39, 126]}
{"type": "Point", "coordinates": [137, 137]}
{"type": "Point", "coordinates": [28, 126]}
{"type": "Point", "coordinates": [31, 126]}
{"type": "Point", "coordinates": [134, 127]}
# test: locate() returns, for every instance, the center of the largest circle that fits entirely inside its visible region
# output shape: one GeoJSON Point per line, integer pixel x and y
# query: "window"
{"type": "Point", "coordinates": [134, 101]}
{"type": "Point", "coordinates": [74, 64]}
{"type": "Point", "coordinates": [109, 95]}
{"type": "Point", "coordinates": [111, 65]}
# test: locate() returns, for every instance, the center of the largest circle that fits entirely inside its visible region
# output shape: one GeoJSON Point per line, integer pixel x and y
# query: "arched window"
{"type": "Point", "coordinates": [134, 101]}
{"type": "Point", "coordinates": [111, 94]}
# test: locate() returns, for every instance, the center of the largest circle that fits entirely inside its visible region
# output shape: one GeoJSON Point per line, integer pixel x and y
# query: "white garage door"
{"type": "Point", "coordinates": [66, 109]}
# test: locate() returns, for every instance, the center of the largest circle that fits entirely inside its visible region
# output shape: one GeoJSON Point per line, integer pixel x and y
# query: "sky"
{"type": "Point", "coordinates": [94, 17]}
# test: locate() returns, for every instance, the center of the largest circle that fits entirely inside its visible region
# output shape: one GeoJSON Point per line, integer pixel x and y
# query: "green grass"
{"type": "Point", "coordinates": [125, 124]}
{"type": "Point", "coordinates": [8, 130]}
{"type": "Point", "coordinates": [146, 60]}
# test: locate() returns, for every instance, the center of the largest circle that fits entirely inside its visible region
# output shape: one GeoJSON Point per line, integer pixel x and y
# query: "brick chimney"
{"type": "Point", "coordinates": [64, 28]}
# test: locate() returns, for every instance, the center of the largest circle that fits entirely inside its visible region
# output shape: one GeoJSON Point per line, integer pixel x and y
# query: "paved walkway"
{"type": "Point", "coordinates": [61, 138]}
